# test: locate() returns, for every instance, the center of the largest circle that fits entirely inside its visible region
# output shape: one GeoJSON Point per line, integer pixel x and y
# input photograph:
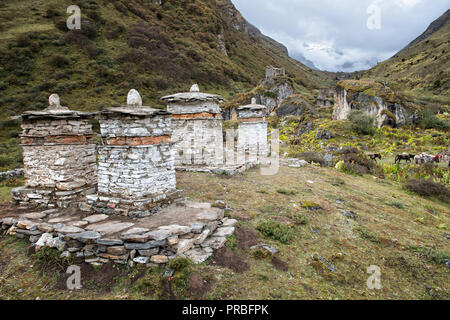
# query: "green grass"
{"type": "Point", "coordinates": [351, 245]}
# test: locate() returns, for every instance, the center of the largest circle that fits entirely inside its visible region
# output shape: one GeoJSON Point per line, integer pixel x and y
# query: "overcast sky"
{"type": "Point", "coordinates": [342, 35]}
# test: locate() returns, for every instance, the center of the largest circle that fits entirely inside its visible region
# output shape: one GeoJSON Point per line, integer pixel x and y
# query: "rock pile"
{"type": "Point", "coordinates": [99, 238]}
{"type": "Point", "coordinates": [16, 173]}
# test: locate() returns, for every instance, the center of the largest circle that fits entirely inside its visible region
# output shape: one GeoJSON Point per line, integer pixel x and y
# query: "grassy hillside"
{"type": "Point", "coordinates": [401, 233]}
{"type": "Point", "coordinates": [422, 69]}
{"type": "Point", "coordinates": [128, 44]}
{"type": "Point", "coordinates": [124, 44]}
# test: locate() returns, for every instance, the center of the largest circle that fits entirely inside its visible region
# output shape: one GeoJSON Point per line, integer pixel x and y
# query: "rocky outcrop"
{"type": "Point", "coordinates": [295, 105]}
{"type": "Point", "coordinates": [387, 107]}
{"type": "Point", "coordinates": [325, 98]}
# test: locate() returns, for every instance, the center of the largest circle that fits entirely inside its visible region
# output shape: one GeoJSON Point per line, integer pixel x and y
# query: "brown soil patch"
{"type": "Point", "coordinates": [280, 264]}
{"type": "Point", "coordinates": [101, 279]}
{"type": "Point", "coordinates": [246, 238]}
{"type": "Point", "coordinates": [224, 257]}
{"type": "Point", "coordinates": [198, 286]}
{"type": "Point", "coordinates": [240, 215]}
{"type": "Point", "coordinates": [284, 220]}
{"type": "Point", "coordinates": [10, 210]}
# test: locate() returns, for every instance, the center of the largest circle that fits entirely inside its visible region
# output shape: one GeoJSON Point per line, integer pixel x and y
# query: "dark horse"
{"type": "Point", "coordinates": [375, 156]}
{"type": "Point", "coordinates": [404, 156]}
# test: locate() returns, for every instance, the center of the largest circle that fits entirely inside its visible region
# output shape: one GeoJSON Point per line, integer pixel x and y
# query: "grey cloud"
{"type": "Point", "coordinates": [333, 34]}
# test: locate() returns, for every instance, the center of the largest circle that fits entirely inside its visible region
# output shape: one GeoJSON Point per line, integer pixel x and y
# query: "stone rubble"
{"type": "Point", "coordinates": [106, 239]}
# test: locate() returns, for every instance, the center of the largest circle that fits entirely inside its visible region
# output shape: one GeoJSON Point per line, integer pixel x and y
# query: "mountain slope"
{"type": "Point", "coordinates": [155, 48]}
{"type": "Point", "coordinates": [422, 69]}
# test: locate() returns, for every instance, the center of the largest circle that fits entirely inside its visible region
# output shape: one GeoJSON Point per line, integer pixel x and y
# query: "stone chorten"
{"type": "Point", "coordinates": [136, 172]}
{"type": "Point", "coordinates": [252, 130]}
{"type": "Point", "coordinates": [197, 128]}
{"type": "Point", "coordinates": [58, 155]}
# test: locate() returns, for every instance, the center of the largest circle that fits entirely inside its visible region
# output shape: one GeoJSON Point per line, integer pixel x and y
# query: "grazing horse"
{"type": "Point", "coordinates": [374, 156]}
{"type": "Point", "coordinates": [404, 156]}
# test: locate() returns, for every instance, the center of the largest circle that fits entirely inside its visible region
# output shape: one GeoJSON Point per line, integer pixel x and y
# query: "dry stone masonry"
{"type": "Point", "coordinates": [185, 229]}
{"type": "Point", "coordinates": [59, 156]}
{"type": "Point", "coordinates": [197, 128]}
{"type": "Point", "coordinates": [136, 172]}
{"type": "Point", "coordinates": [252, 131]}
{"type": "Point", "coordinates": [137, 215]}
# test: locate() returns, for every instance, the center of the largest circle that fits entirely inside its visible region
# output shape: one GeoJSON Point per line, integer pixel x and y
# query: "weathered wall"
{"type": "Point", "coordinates": [252, 137]}
{"type": "Point", "coordinates": [198, 142]}
{"type": "Point", "coordinates": [59, 161]}
{"type": "Point", "coordinates": [195, 107]}
{"type": "Point", "coordinates": [197, 133]}
{"type": "Point", "coordinates": [136, 163]}
{"type": "Point", "coordinates": [136, 172]}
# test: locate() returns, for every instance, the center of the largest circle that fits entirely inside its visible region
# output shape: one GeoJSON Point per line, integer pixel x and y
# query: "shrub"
{"type": "Point", "coordinates": [287, 192]}
{"type": "Point", "coordinates": [275, 230]}
{"type": "Point", "coordinates": [179, 264]}
{"type": "Point", "coordinates": [362, 122]}
{"type": "Point", "coordinates": [430, 121]}
{"type": "Point", "coordinates": [23, 41]}
{"type": "Point", "coordinates": [49, 259]}
{"type": "Point", "coordinates": [59, 61]}
{"type": "Point", "coordinates": [428, 188]}
{"type": "Point", "coordinates": [311, 205]}
{"type": "Point", "coordinates": [312, 157]}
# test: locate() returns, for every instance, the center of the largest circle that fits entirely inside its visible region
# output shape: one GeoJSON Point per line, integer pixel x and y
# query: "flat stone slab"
{"type": "Point", "coordinates": [223, 232]}
{"type": "Point", "coordinates": [86, 236]}
{"type": "Point", "coordinates": [198, 255]}
{"type": "Point", "coordinates": [62, 219]}
{"type": "Point", "coordinates": [135, 231]}
{"type": "Point", "coordinates": [77, 223]}
{"type": "Point", "coordinates": [227, 222]}
{"type": "Point", "coordinates": [68, 229]}
{"type": "Point", "coordinates": [215, 242]}
{"type": "Point", "coordinates": [110, 227]}
{"type": "Point", "coordinates": [184, 213]}
{"type": "Point", "coordinates": [96, 218]}
{"type": "Point", "coordinates": [34, 215]}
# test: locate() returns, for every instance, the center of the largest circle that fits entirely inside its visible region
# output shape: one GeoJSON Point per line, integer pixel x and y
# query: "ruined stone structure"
{"type": "Point", "coordinates": [325, 98]}
{"type": "Point", "coordinates": [136, 179]}
{"type": "Point", "coordinates": [252, 130]}
{"type": "Point", "coordinates": [58, 155]}
{"type": "Point", "coordinates": [197, 128]}
{"type": "Point", "coordinates": [272, 73]}
{"type": "Point", "coordinates": [136, 172]}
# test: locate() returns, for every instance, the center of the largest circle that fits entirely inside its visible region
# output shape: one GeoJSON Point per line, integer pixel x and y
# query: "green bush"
{"type": "Point", "coordinates": [362, 122]}
{"type": "Point", "coordinates": [59, 61]}
{"type": "Point", "coordinates": [275, 230]}
{"type": "Point", "coordinates": [430, 121]}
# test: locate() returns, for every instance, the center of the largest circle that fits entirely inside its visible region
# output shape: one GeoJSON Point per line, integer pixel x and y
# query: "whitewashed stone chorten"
{"type": "Point", "coordinates": [58, 156]}
{"type": "Point", "coordinates": [136, 172]}
{"type": "Point", "coordinates": [197, 128]}
{"type": "Point", "coordinates": [252, 130]}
